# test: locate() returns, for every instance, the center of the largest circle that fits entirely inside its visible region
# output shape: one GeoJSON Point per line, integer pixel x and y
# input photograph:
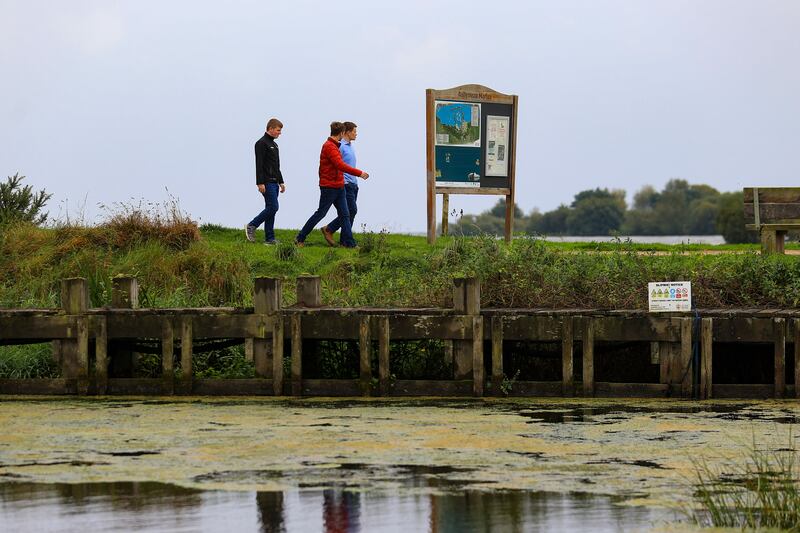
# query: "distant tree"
{"type": "Point", "coordinates": [550, 223]}
{"type": "Point", "coordinates": [679, 209]}
{"type": "Point", "coordinates": [730, 219]}
{"type": "Point", "coordinates": [20, 203]}
{"type": "Point", "coordinates": [499, 210]}
{"type": "Point", "coordinates": [597, 212]}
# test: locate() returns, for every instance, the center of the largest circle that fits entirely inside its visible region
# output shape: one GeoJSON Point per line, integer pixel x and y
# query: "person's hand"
{"type": "Point", "coordinates": [364, 175]}
{"type": "Point", "coordinates": [262, 188]}
{"type": "Point", "coordinates": [283, 187]}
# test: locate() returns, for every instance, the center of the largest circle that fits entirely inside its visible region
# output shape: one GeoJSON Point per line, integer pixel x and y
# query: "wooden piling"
{"type": "Point", "coordinates": [477, 356]}
{"type": "Point", "coordinates": [365, 355]}
{"type": "Point", "coordinates": [297, 355]}
{"type": "Point", "coordinates": [797, 357]}
{"type": "Point", "coordinates": [101, 356]}
{"type": "Point", "coordinates": [75, 350]}
{"type": "Point", "coordinates": [686, 365]}
{"type": "Point", "coordinates": [587, 340]}
{"type": "Point", "coordinates": [567, 342]}
{"type": "Point", "coordinates": [266, 301]}
{"type": "Point", "coordinates": [706, 358]}
{"type": "Point", "coordinates": [779, 325]}
{"type": "Point", "coordinates": [167, 356]}
{"type": "Point", "coordinates": [466, 301]}
{"type": "Point", "coordinates": [186, 354]}
{"type": "Point", "coordinates": [384, 372]}
{"type": "Point", "coordinates": [309, 291]}
{"type": "Point", "coordinates": [124, 295]}
{"type": "Point", "coordinates": [277, 356]}
{"type": "Point", "coordinates": [497, 355]}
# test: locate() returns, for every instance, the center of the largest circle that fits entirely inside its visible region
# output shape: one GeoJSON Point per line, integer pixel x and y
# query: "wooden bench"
{"type": "Point", "coordinates": [774, 211]}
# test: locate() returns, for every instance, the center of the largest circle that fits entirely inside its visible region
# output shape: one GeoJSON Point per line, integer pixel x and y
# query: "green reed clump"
{"type": "Point", "coordinates": [761, 491]}
{"type": "Point", "coordinates": [27, 361]}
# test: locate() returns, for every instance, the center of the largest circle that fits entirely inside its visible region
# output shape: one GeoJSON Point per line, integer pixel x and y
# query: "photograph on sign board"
{"type": "Point", "coordinates": [458, 167]}
{"type": "Point", "coordinates": [458, 124]}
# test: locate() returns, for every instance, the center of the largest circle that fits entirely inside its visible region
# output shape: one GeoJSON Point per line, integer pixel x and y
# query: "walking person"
{"type": "Point", "coordinates": [331, 188]}
{"type": "Point", "coordinates": [269, 181]}
{"type": "Point", "coordinates": [350, 182]}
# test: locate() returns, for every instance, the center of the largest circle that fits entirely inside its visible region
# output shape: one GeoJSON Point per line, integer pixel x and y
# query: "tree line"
{"type": "Point", "coordinates": [680, 208]}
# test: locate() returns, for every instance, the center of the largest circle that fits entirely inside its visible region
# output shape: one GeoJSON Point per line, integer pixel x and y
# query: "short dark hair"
{"type": "Point", "coordinates": [349, 126]}
{"type": "Point", "coordinates": [274, 123]}
{"type": "Point", "coordinates": [336, 128]}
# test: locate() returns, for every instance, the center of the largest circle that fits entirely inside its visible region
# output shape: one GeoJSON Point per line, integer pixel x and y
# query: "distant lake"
{"type": "Point", "coordinates": [656, 239]}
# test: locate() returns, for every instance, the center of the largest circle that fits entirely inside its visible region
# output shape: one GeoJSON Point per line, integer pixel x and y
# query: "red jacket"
{"type": "Point", "coordinates": [332, 166]}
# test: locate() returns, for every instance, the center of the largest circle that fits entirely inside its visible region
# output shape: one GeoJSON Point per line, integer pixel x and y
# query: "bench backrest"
{"type": "Point", "coordinates": [772, 205]}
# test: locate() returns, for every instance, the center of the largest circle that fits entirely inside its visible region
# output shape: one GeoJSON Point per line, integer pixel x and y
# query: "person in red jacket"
{"type": "Point", "coordinates": [331, 188]}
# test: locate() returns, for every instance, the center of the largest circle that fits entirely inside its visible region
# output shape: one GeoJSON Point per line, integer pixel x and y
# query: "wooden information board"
{"type": "Point", "coordinates": [470, 148]}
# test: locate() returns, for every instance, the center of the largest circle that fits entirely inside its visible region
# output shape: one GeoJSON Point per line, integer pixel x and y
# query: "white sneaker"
{"type": "Point", "coordinates": [250, 233]}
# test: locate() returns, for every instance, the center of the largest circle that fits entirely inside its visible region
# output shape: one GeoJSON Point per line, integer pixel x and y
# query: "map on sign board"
{"type": "Point", "coordinates": [458, 124]}
{"type": "Point", "coordinates": [669, 296]}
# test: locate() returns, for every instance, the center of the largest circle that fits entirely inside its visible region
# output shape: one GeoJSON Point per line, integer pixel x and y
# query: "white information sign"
{"type": "Point", "coordinates": [669, 296]}
{"type": "Point", "coordinates": [497, 146]}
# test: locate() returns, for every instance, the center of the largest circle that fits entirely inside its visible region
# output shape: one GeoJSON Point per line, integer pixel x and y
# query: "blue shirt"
{"type": "Point", "coordinates": [349, 157]}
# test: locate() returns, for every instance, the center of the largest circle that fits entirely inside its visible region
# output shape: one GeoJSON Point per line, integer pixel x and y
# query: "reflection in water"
{"type": "Point", "coordinates": [161, 507]}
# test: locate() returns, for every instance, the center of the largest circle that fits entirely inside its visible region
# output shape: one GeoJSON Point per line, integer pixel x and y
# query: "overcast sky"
{"type": "Point", "coordinates": [107, 101]}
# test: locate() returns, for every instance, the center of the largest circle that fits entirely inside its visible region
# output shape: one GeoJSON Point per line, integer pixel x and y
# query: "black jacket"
{"type": "Point", "coordinates": [268, 162]}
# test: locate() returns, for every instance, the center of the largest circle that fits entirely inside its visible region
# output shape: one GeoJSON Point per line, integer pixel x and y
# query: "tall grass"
{"type": "Point", "coordinates": [27, 361]}
{"type": "Point", "coordinates": [760, 491]}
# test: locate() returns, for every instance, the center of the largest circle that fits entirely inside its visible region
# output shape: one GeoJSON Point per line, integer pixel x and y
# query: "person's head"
{"type": "Point", "coordinates": [274, 127]}
{"type": "Point", "coordinates": [337, 128]}
{"type": "Point", "coordinates": [350, 131]}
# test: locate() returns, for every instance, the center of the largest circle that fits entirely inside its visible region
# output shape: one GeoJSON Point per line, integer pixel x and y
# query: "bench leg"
{"type": "Point", "coordinates": [772, 241]}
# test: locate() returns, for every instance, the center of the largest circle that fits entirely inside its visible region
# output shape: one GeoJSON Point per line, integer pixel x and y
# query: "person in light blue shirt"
{"type": "Point", "coordinates": [350, 182]}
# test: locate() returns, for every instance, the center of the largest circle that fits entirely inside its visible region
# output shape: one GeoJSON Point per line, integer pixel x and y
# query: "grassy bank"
{"type": "Point", "coordinates": [215, 266]}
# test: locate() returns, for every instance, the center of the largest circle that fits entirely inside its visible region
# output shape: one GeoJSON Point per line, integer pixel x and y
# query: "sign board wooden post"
{"type": "Point", "coordinates": [470, 147]}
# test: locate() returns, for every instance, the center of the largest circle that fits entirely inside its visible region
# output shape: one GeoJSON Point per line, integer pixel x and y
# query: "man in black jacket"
{"type": "Point", "coordinates": [269, 181]}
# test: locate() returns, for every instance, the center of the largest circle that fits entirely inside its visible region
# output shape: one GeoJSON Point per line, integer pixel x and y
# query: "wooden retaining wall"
{"type": "Point", "coordinates": [677, 342]}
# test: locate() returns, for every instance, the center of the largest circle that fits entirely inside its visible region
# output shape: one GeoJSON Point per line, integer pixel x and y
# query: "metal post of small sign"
{"type": "Point", "coordinates": [471, 141]}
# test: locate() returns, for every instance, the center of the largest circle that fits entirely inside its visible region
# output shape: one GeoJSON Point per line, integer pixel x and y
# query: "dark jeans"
{"type": "Point", "coordinates": [328, 197]}
{"type": "Point", "coordinates": [351, 193]}
{"type": "Point", "coordinates": [267, 216]}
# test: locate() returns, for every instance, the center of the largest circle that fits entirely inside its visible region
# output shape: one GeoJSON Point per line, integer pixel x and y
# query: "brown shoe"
{"type": "Point", "coordinates": [299, 244]}
{"type": "Point", "coordinates": [328, 236]}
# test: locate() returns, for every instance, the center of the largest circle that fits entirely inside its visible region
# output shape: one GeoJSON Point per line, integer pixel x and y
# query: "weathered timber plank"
{"type": "Point", "coordinates": [543, 328]}
{"type": "Point", "coordinates": [365, 355]}
{"type": "Point", "coordinates": [101, 356]}
{"type": "Point", "coordinates": [83, 355]}
{"type": "Point", "coordinates": [38, 327]}
{"type": "Point", "coordinates": [54, 386]}
{"type": "Point", "coordinates": [524, 389]}
{"type": "Point", "coordinates": [404, 387]}
{"type": "Point", "coordinates": [706, 358]}
{"type": "Point", "coordinates": [588, 355]}
{"type": "Point", "coordinates": [631, 390]}
{"type": "Point", "coordinates": [135, 386]}
{"type": "Point", "coordinates": [739, 329]}
{"type": "Point", "coordinates": [774, 213]}
{"type": "Point", "coordinates": [234, 387]}
{"type": "Point", "coordinates": [772, 195]}
{"type": "Point", "coordinates": [780, 357]}
{"type": "Point", "coordinates": [497, 353]}
{"type": "Point", "coordinates": [646, 328]}
{"type": "Point", "coordinates": [331, 387]}
{"type": "Point", "coordinates": [744, 391]}
{"type": "Point", "coordinates": [567, 344]}
{"type": "Point", "coordinates": [384, 372]}
{"type": "Point", "coordinates": [431, 327]}
{"type": "Point", "coordinates": [309, 291]}
{"type": "Point", "coordinates": [297, 354]}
